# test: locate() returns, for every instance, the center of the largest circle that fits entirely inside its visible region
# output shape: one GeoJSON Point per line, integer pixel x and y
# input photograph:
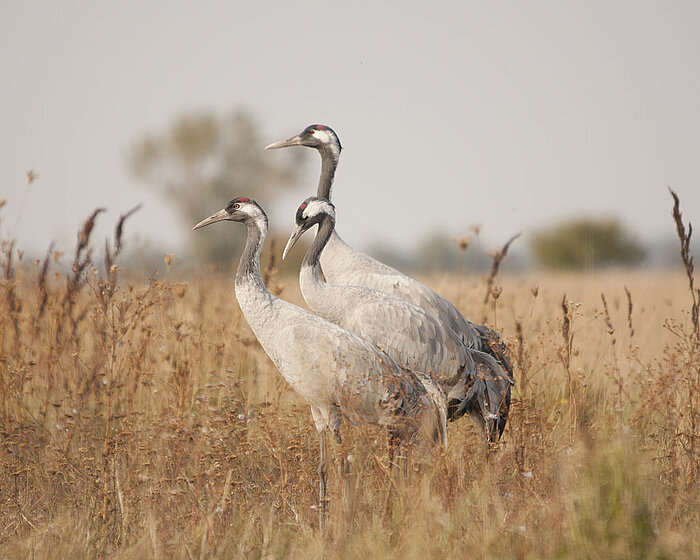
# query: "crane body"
{"type": "Point", "coordinates": [413, 337]}
{"type": "Point", "coordinates": [338, 373]}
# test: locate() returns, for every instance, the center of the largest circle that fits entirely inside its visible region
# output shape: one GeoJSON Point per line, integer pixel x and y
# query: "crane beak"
{"type": "Point", "coordinates": [296, 234]}
{"type": "Point", "coordinates": [218, 217]}
{"type": "Point", "coordinates": [293, 141]}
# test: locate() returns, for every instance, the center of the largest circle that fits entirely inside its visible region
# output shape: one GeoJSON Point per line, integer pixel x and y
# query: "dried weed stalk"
{"type": "Point", "coordinates": [565, 354]}
{"type": "Point", "coordinates": [522, 356]}
{"type": "Point", "coordinates": [608, 322]}
{"type": "Point", "coordinates": [75, 281]}
{"type": "Point", "coordinates": [610, 329]}
{"type": "Point", "coordinates": [270, 270]}
{"type": "Point", "coordinates": [42, 286]}
{"type": "Point", "coordinates": [684, 238]}
{"type": "Point", "coordinates": [110, 256]}
{"type": "Point", "coordinates": [629, 314]}
{"type": "Point", "coordinates": [13, 307]}
{"type": "Point", "coordinates": [497, 258]}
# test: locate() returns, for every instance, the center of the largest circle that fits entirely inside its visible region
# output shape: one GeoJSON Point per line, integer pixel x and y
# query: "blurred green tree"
{"type": "Point", "coordinates": [201, 161]}
{"type": "Point", "coordinates": [586, 243]}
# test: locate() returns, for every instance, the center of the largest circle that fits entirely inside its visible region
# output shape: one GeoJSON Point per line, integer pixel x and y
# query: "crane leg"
{"type": "Point", "coordinates": [393, 445]}
{"type": "Point", "coordinates": [344, 476]}
{"type": "Point", "coordinates": [392, 450]}
{"type": "Point", "coordinates": [403, 458]}
{"type": "Point", "coordinates": [323, 479]}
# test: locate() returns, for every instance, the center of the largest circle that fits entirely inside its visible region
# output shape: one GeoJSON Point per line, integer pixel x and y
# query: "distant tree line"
{"type": "Point", "coordinates": [586, 243]}
{"type": "Point", "coordinates": [577, 244]}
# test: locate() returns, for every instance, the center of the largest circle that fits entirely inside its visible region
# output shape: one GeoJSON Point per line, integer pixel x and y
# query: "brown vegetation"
{"type": "Point", "coordinates": [142, 420]}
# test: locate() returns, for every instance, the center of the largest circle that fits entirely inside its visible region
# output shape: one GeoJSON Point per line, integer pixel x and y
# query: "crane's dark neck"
{"type": "Point", "coordinates": [329, 163]}
{"type": "Point", "coordinates": [313, 255]}
{"type": "Point", "coordinates": [249, 264]}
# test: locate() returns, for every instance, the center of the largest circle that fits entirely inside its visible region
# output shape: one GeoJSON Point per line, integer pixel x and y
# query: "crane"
{"type": "Point", "coordinates": [413, 337]}
{"type": "Point", "coordinates": [338, 373]}
{"type": "Point", "coordinates": [343, 265]}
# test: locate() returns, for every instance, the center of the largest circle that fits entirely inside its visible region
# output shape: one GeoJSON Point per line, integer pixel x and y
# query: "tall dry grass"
{"type": "Point", "coordinates": [142, 420]}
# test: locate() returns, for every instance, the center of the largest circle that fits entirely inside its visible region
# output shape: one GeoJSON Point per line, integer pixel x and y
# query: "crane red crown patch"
{"type": "Point", "coordinates": [320, 127]}
{"type": "Point", "coordinates": [241, 199]}
{"type": "Point", "coordinates": [303, 205]}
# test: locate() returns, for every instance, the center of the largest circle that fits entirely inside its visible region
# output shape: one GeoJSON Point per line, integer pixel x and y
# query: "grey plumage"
{"type": "Point", "coordinates": [342, 265]}
{"type": "Point", "coordinates": [413, 337]}
{"type": "Point", "coordinates": [339, 374]}
{"type": "Point", "coordinates": [345, 266]}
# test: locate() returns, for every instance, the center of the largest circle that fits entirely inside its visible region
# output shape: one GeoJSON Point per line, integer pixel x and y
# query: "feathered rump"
{"type": "Point", "coordinates": [485, 396]}
{"type": "Point", "coordinates": [417, 405]}
{"type": "Point", "coordinates": [498, 384]}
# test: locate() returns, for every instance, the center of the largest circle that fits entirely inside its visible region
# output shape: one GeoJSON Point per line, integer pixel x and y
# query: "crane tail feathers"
{"type": "Point", "coordinates": [487, 399]}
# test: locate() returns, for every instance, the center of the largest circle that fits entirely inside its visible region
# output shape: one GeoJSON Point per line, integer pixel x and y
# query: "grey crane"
{"type": "Point", "coordinates": [338, 373]}
{"type": "Point", "coordinates": [343, 265]}
{"type": "Point", "coordinates": [413, 337]}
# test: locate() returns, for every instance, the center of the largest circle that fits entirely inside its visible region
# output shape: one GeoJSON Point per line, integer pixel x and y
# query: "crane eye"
{"type": "Point", "coordinates": [236, 206]}
{"type": "Point", "coordinates": [312, 131]}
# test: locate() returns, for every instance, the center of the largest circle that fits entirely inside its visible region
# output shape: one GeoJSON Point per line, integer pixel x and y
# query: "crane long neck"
{"type": "Point", "coordinates": [249, 265]}
{"type": "Point", "coordinates": [329, 163]}
{"type": "Point", "coordinates": [313, 255]}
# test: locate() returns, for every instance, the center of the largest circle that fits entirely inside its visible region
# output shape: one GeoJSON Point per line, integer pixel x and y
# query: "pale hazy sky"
{"type": "Point", "coordinates": [507, 114]}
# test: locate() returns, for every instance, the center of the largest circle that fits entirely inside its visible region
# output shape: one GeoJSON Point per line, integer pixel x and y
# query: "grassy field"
{"type": "Point", "coordinates": [142, 420]}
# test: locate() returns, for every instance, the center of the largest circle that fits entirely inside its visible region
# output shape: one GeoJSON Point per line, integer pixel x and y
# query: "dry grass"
{"type": "Point", "coordinates": [144, 421]}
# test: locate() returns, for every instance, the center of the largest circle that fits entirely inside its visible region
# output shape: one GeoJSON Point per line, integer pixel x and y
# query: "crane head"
{"type": "Point", "coordinates": [309, 213]}
{"type": "Point", "coordinates": [318, 136]}
{"type": "Point", "coordinates": [241, 209]}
